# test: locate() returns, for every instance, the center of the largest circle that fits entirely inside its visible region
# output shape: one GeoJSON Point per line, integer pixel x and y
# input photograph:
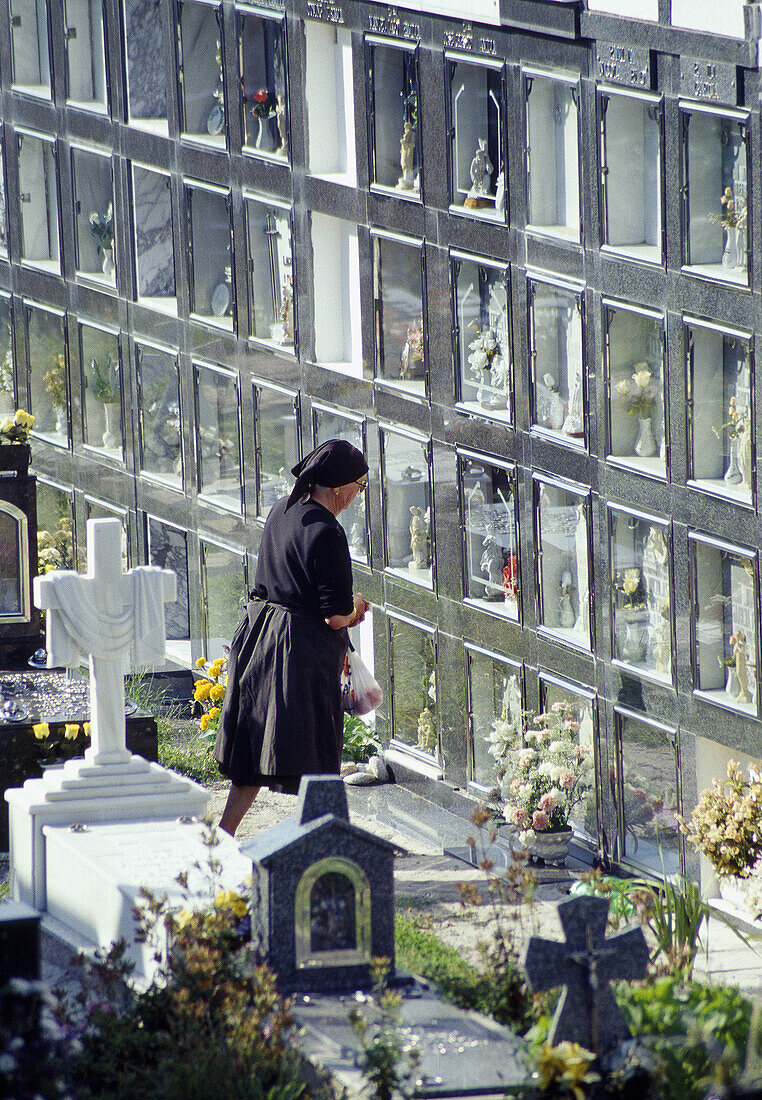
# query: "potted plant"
{"type": "Point", "coordinates": [102, 229]}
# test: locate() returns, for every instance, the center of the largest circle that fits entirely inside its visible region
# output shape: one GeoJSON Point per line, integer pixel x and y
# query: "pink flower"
{"type": "Point", "coordinates": [539, 820]}
{"type": "Point", "coordinates": [567, 781]}
{"type": "Point", "coordinates": [519, 816]}
{"type": "Point", "coordinates": [548, 802]}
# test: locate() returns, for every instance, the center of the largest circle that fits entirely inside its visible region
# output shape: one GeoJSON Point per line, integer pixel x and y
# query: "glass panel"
{"type": "Point", "coordinates": [553, 157]}
{"type": "Point", "coordinates": [563, 537]}
{"type": "Point", "coordinates": [717, 193]}
{"type": "Point", "coordinates": [396, 160]}
{"type": "Point", "coordinates": [29, 44]}
{"type": "Point", "coordinates": [332, 914]}
{"type": "Point", "coordinates": [477, 112]}
{"type": "Point", "coordinates": [632, 180]}
{"type": "Point", "coordinates": [3, 204]}
{"type": "Point", "coordinates": [55, 527]}
{"type": "Point", "coordinates": [400, 329]}
{"type": "Point", "coordinates": [10, 563]}
{"type": "Point", "coordinates": [212, 294]}
{"type": "Point", "coordinates": [722, 428]}
{"type": "Point", "coordinates": [489, 526]}
{"type": "Point", "coordinates": [557, 356]}
{"type": "Point", "coordinates": [407, 508]}
{"type": "Point", "coordinates": [641, 594]}
{"type": "Point", "coordinates": [725, 607]}
{"type": "Point", "coordinates": [224, 586]}
{"type": "Point", "coordinates": [636, 376]}
{"type": "Point", "coordinates": [168, 548]}
{"type": "Point", "coordinates": [646, 796]}
{"type": "Point", "coordinates": [102, 386]}
{"type": "Point", "coordinates": [218, 441]}
{"type": "Point", "coordinates": [8, 363]}
{"type": "Point", "coordinates": [154, 248]}
{"type": "Point", "coordinates": [48, 387]}
{"type": "Point", "coordinates": [276, 431]}
{"type": "Point", "coordinates": [329, 425]}
{"type": "Point", "coordinates": [578, 710]}
{"type": "Point", "coordinates": [85, 53]}
{"type": "Point", "coordinates": [414, 693]}
{"type": "Point", "coordinates": [38, 195]}
{"type": "Point", "coordinates": [202, 87]}
{"type": "Point", "coordinates": [94, 204]}
{"type": "Point", "coordinates": [496, 697]}
{"type": "Point", "coordinates": [161, 453]}
{"type": "Point", "coordinates": [146, 68]}
{"type": "Point", "coordinates": [483, 320]}
{"type": "Point", "coordinates": [95, 510]}
{"type": "Point", "coordinates": [263, 85]}
{"type": "Point", "coordinates": [271, 273]}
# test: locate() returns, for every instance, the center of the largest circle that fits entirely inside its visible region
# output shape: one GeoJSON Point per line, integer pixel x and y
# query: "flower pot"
{"type": "Point", "coordinates": [737, 892]}
{"type": "Point", "coordinates": [550, 847]}
{"type": "Point", "coordinates": [14, 457]}
{"type": "Point", "coordinates": [645, 444]}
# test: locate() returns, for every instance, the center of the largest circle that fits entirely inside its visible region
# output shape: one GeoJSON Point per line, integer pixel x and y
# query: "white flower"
{"type": "Point", "coordinates": [526, 756]}
{"type": "Point", "coordinates": [557, 746]}
{"type": "Point", "coordinates": [489, 343]}
{"type": "Point", "coordinates": [479, 359]}
{"type": "Point", "coordinates": [623, 387]}
{"type": "Point", "coordinates": [546, 769]}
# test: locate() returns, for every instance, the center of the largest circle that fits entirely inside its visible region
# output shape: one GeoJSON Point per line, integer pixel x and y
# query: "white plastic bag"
{"type": "Point", "coordinates": [360, 693]}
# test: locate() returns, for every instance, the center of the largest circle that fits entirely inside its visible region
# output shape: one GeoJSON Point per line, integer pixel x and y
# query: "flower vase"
{"type": "Point", "coordinates": [729, 257]}
{"type": "Point", "coordinates": [107, 267]}
{"type": "Point", "coordinates": [61, 427]}
{"type": "Point", "coordinates": [732, 686]}
{"type": "Point", "coordinates": [112, 435]}
{"type": "Point", "coordinates": [549, 847]}
{"type": "Point", "coordinates": [737, 892]}
{"type": "Point", "coordinates": [645, 444]}
{"type": "Point", "coordinates": [732, 475]}
{"type": "Point", "coordinates": [633, 647]}
{"type": "Point", "coordinates": [483, 395]}
{"type": "Point", "coordinates": [263, 139]}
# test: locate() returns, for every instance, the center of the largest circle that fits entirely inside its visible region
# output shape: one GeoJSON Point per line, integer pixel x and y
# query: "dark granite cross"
{"type": "Point", "coordinates": [587, 1012]}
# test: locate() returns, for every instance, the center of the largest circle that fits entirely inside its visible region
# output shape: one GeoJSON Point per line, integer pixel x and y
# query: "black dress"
{"type": "Point", "coordinates": [281, 717]}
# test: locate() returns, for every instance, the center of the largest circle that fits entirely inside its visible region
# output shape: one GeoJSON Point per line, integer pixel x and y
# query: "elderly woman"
{"type": "Point", "coordinates": [282, 717]}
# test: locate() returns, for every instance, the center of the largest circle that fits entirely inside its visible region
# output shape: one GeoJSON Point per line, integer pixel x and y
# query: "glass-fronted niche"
{"type": "Point", "coordinates": [631, 174]}
{"type": "Point", "coordinates": [646, 790]}
{"type": "Point", "coordinates": [400, 326]}
{"type": "Point", "coordinates": [224, 586]}
{"type": "Point", "coordinates": [413, 716]}
{"type": "Point", "coordinates": [495, 712]}
{"type": "Point", "coordinates": [218, 438]}
{"type": "Point", "coordinates": [635, 365]}
{"type": "Point", "coordinates": [271, 271]}
{"type": "Point", "coordinates": [86, 84]}
{"type": "Point", "coordinates": [264, 102]}
{"type": "Point", "coordinates": [211, 252]}
{"type": "Point", "coordinates": [329, 424]}
{"type": "Point", "coordinates": [329, 78]}
{"type": "Point", "coordinates": [490, 532]}
{"type": "Point", "coordinates": [725, 624]}
{"type": "Point", "coordinates": [154, 247]}
{"type": "Point", "coordinates": [55, 525]}
{"type": "Point", "coordinates": [146, 68]}
{"type": "Point", "coordinates": [39, 201]}
{"type": "Point", "coordinates": [715, 168]}
{"type": "Point", "coordinates": [276, 435]}
{"type": "Point", "coordinates": [563, 560]}
{"type": "Point", "coordinates": [336, 294]}
{"type": "Point", "coordinates": [720, 410]}
{"type": "Point", "coordinates": [556, 354]}
{"type": "Point", "coordinates": [160, 420]}
{"type": "Point", "coordinates": [96, 222]}
{"type": "Point", "coordinates": [8, 403]}
{"type": "Point", "coordinates": [168, 548]}
{"type": "Point", "coordinates": [202, 98]}
{"type": "Point", "coordinates": [3, 201]}
{"type": "Point", "coordinates": [30, 46]}
{"type": "Point", "coordinates": [395, 144]}
{"type": "Point", "coordinates": [481, 301]}
{"type": "Point", "coordinates": [553, 161]}
{"type": "Point", "coordinates": [477, 138]}
{"type": "Point", "coordinates": [48, 378]}
{"type": "Point", "coordinates": [407, 496]}
{"type": "Point", "coordinates": [641, 593]}
{"type": "Point", "coordinates": [576, 709]}
{"type": "Point", "coordinates": [103, 399]}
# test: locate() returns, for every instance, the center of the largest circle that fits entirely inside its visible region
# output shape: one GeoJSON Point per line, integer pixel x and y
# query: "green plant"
{"type": "Point", "coordinates": [54, 381]}
{"type": "Point", "coordinates": [387, 1064]}
{"type": "Point", "coordinates": [726, 824]}
{"type": "Point", "coordinates": [103, 388]}
{"type": "Point", "coordinates": [180, 745]}
{"type": "Point", "coordinates": [208, 693]}
{"type": "Point", "coordinates": [624, 895]}
{"type": "Point", "coordinates": [359, 741]}
{"type": "Point", "coordinates": [674, 911]}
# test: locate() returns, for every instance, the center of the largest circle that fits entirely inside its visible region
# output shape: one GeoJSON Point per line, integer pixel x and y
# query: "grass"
{"type": "Point", "coordinates": [181, 746]}
{"type": "Point", "coordinates": [422, 953]}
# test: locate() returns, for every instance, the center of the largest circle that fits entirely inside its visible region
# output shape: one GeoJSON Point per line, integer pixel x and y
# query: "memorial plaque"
{"type": "Point", "coordinates": [616, 63]}
{"type": "Point", "coordinates": [711, 81]}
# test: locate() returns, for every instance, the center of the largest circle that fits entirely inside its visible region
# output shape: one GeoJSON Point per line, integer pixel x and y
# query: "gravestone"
{"type": "Point", "coordinates": [105, 614]}
{"type": "Point", "coordinates": [584, 965]}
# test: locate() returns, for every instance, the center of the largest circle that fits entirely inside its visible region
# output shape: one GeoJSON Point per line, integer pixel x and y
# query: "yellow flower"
{"type": "Point", "coordinates": [50, 568]}
{"type": "Point", "coordinates": [185, 916]}
{"type": "Point", "coordinates": [200, 662]}
{"type": "Point", "coordinates": [214, 713]}
{"type": "Point", "coordinates": [23, 418]}
{"type": "Point", "coordinates": [204, 722]}
{"type": "Point", "coordinates": [201, 692]}
{"type": "Point", "coordinates": [566, 1064]}
{"type": "Point", "coordinates": [7, 427]}
{"type": "Point", "coordinates": [71, 731]}
{"type": "Point", "coordinates": [229, 899]}
{"type": "Point", "coordinates": [216, 667]}
{"type": "Point", "coordinates": [216, 692]}
{"type": "Point", "coordinates": [41, 731]}
{"type": "Point", "coordinates": [86, 728]}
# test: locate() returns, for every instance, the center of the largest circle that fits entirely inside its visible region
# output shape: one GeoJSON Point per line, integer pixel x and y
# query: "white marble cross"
{"type": "Point", "coordinates": [109, 592]}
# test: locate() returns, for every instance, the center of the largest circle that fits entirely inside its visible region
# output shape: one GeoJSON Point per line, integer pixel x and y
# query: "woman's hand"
{"type": "Point", "coordinates": [337, 622]}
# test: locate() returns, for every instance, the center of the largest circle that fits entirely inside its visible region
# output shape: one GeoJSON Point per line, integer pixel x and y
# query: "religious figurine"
{"type": "Point", "coordinates": [419, 536]}
{"type": "Point", "coordinates": [582, 625]}
{"type": "Point", "coordinates": [492, 565]}
{"type": "Point", "coordinates": [573, 425]}
{"type": "Point", "coordinates": [357, 535]}
{"type": "Point", "coordinates": [406, 182]}
{"type": "Point", "coordinates": [411, 356]}
{"type": "Point", "coordinates": [500, 192]}
{"type": "Point", "coordinates": [663, 645]}
{"type": "Point", "coordinates": [565, 609]}
{"type": "Point", "coordinates": [216, 122]}
{"type": "Point", "coordinates": [481, 171]}
{"type": "Point", "coordinates": [552, 406]}
{"type": "Point", "coordinates": [286, 311]}
{"type": "Point", "coordinates": [427, 737]}
{"type": "Point", "coordinates": [741, 654]}
{"type": "Point", "coordinates": [280, 118]}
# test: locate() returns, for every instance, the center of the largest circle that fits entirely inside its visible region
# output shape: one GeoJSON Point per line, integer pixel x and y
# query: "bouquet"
{"type": "Point", "coordinates": [485, 357]}
{"type": "Point", "coordinates": [102, 229]}
{"type": "Point", "coordinates": [726, 825]}
{"type": "Point", "coordinates": [264, 103]}
{"type": "Point", "coordinates": [16, 429]}
{"type": "Point", "coordinates": [639, 392]}
{"type": "Point", "coordinates": [209, 691]}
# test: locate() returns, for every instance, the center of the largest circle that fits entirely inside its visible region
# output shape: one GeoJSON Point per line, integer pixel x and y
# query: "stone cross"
{"type": "Point", "coordinates": [111, 591]}
{"type": "Point", "coordinates": [587, 1012]}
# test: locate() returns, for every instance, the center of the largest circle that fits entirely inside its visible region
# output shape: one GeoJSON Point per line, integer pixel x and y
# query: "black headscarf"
{"type": "Point", "coordinates": [335, 462]}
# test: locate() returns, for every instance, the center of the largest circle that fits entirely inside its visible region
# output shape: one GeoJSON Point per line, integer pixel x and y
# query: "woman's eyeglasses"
{"type": "Point", "coordinates": [361, 486]}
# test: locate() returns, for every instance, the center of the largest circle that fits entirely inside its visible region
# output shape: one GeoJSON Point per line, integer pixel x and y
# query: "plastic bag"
{"type": "Point", "coordinates": [360, 693]}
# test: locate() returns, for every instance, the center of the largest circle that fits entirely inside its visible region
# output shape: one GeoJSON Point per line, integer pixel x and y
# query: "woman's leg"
{"type": "Point", "coordinates": [239, 800]}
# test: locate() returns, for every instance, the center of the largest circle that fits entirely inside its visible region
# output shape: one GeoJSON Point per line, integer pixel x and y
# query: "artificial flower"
{"type": "Point", "coordinates": [71, 731]}
{"type": "Point", "coordinates": [41, 731]}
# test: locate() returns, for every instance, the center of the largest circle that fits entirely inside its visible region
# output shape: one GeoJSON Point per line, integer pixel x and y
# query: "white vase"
{"type": "Point", "coordinates": [732, 687]}
{"type": "Point", "coordinates": [737, 892]}
{"type": "Point", "coordinates": [483, 395]}
{"type": "Point", "coordinates": [112, 437]}
{"type": "Point", "coordinates": [732, 475]}
{"type": "Point", "coordinates": [107, 267]}
{"type": "Point", "coordinates": [550, 847]}
{"type": "Point", "coordinates": [264, 138]}
{"type": "Point", "coordinates": [61, 427]}
{"type": "Point", "coordinates": [633, 647]}
{"type": "Point", "coordinates": [645, 444]}
{"type": "Point", "coordinates": [729, 256]}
